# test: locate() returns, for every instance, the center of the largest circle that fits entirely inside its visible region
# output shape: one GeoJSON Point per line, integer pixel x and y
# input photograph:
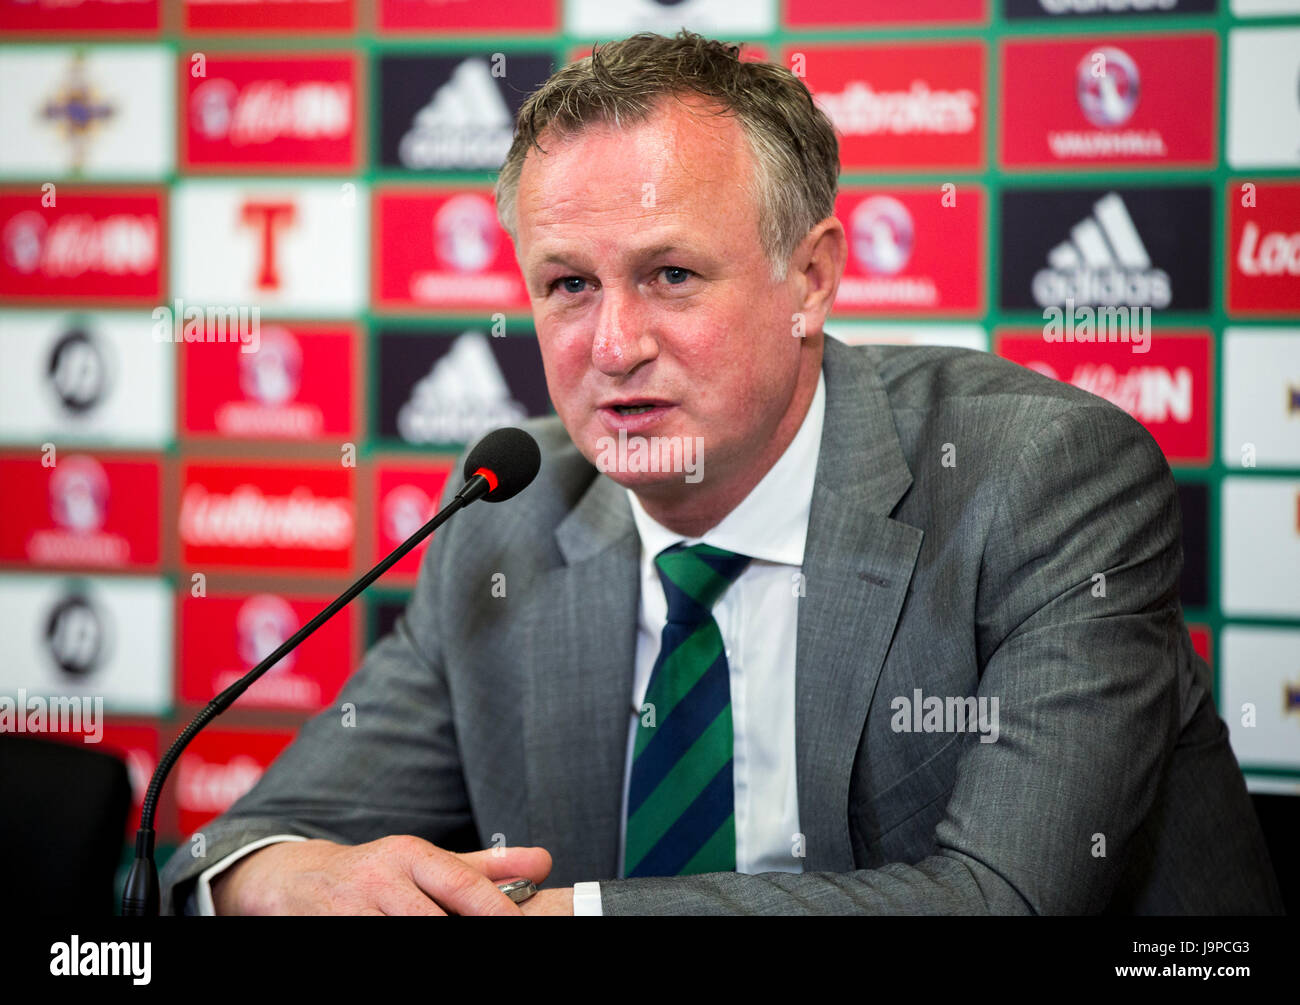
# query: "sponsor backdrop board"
{"type": "Point", "coordinates": [254, 300]}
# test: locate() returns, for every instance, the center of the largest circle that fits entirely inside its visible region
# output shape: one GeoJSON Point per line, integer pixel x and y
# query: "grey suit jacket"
{"type": "Point", "coordinates": [963, 506]}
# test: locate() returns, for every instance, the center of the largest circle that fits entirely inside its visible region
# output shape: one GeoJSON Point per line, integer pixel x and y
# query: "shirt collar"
{"type": "Point", "coordinates": [771, 523]}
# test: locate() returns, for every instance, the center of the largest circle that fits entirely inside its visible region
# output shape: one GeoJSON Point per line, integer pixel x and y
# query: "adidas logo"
{"type": "Point", "coordinates": [465, 125]}
{"type": "Point", "coordinates": [1104, 263]}
{"type": "Point", "coordinates": [463, 395]}
{"type": "Point", "coordinates": [1103, 6]}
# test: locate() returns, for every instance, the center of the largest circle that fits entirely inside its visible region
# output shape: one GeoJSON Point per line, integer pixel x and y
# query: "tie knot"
{"type": "Point", "coordinates": [695, 577]}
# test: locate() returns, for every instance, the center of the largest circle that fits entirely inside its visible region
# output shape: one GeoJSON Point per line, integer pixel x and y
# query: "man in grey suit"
{"type": "Point", "coordinates": [783, 626]}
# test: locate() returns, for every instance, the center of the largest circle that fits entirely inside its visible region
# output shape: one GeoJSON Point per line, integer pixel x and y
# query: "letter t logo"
{"type": "Point", "coordinates": [270, 217]}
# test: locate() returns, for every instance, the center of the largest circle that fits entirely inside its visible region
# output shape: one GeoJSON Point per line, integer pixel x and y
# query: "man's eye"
{"type": "Point", "coordinates": [675, 275]}
{"type": "Point", "coordinates": [569, 283]}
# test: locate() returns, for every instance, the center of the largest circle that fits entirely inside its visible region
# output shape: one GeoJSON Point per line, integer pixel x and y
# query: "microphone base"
{"type": "Point", "coordinates": [140, 897]}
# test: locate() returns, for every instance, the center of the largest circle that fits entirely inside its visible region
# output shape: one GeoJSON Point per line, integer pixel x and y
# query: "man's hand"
{"type": "Point", "coordinates": [549, 902]}
{"type": "Point", "coordinates": [402, 874]}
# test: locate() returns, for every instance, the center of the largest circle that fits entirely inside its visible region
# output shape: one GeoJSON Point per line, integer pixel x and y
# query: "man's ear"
{"type": "Point", "coordinates": [821, 258]}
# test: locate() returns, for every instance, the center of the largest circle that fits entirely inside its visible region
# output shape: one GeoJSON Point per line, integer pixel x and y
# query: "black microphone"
{"type": "Point", "coordinates": [500, 466]}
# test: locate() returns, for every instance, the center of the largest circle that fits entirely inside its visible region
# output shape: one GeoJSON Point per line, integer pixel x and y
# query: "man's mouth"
{"type": "Point", "coordinates": [634, 406]}
{"type": "Point", "coordinates": [634, 415]}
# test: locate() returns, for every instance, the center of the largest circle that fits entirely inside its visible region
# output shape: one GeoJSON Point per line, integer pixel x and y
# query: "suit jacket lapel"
{"type": "Point", "coordinates": [857, 566]}
{"type": "Point", "coordinates": [581, 650]}
{"type": "Point", "coordinates": [581, 638]}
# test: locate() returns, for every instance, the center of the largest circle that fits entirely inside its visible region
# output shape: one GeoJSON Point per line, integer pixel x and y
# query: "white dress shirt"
{"type": "Point", "coordinates": [758, 618]}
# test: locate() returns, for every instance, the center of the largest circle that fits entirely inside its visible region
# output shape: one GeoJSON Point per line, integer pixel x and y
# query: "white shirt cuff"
{"type": "Point", "coordinates": [203, 889]}
{"type": "Point", "coordinates": [586, 900]}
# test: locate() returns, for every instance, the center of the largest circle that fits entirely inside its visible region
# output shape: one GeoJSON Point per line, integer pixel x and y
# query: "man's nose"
{"type": "Point", "coordinates": [622, 340]}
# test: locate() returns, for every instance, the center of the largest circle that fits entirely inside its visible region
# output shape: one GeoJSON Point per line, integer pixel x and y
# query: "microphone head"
{"type": "Point", "coordinates": [512, 458]}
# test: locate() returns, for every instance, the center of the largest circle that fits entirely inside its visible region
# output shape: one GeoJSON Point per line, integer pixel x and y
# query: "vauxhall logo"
{"type": "Point", "coordinates": [1107, 85]}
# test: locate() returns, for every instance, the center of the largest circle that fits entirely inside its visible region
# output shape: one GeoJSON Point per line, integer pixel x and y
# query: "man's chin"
{"type": "Point", "coordinates": [655, 484]}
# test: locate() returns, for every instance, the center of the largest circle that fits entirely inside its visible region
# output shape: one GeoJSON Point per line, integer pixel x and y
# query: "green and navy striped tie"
{"type": "Point", "coordinates": [681, 804]}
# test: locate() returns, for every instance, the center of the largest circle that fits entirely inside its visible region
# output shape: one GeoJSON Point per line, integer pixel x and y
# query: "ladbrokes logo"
{"type": "Point", "coordinates": [248, 518]}
{"type": "Point", "coordinates": [910, 253]}
{"type": "Point", "coordinates": [254, 515]}
{"type": "Point", "coordinates": [836, 14]}
{"type": "Point", "coordinates": [219, 767]}
{"type": "Point", "coordinates": [1129, 247]}
{"type": "Point", "coordinates": [1263, 257]}
{"type": "Point", "coordinates": [1100, 103]}
{"type": "Point", "coordinates": [505, 16]}
{"type": "Point", "coordinates": [282, 112]}
{"type": "Point", "coordinates": [211, 788]}
{"type": "Point", "coordinates": [860, 111]}
{"type": "Point", "coordinates": [901, 104]}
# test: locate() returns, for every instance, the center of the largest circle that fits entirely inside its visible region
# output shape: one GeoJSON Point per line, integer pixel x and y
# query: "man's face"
{"type": "Point", "coordinates": [641, 252]}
